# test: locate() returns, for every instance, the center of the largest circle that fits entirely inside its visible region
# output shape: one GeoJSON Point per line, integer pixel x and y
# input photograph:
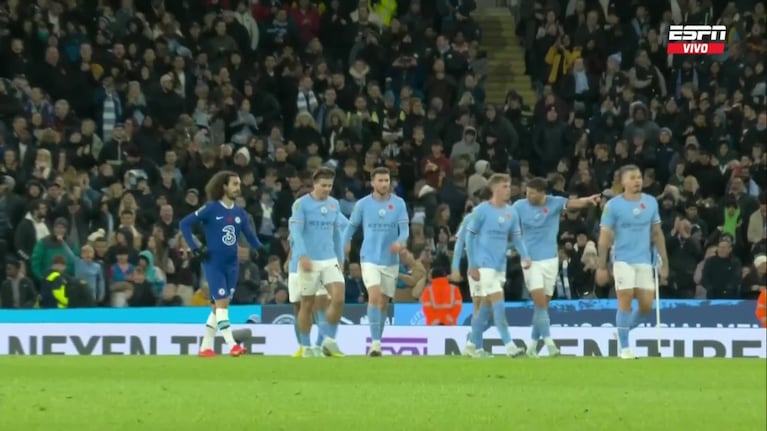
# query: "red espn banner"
{"type": "Point", "coordinates": [693, 48]}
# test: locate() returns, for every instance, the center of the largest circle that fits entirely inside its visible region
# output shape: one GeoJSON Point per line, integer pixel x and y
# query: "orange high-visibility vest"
{"type": "Point", "coordinates": [761, 308]}
{"type": "Point", "coordinates": [441, 302]}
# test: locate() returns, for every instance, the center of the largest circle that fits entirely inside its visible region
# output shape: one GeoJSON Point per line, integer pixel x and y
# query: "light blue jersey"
{"type": "Point", "coordinates": [343, 222]}
{"type": "Point", "coordinates": [489, 230]}
{"type": "Point", "coordinates": [314, 228]}
{"type": "Point", "coordinates": [540, 226]}
{"type": "Point", "coordinates": [383, 222]}
{"type": "Point", "coordinates": [632, 223]}
{"type": "Point", "coordinates": [460, 243]}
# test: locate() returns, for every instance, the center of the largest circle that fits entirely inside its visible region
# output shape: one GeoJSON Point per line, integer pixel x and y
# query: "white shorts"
{"type": "Point", "coordinates": [542, 274]}
{"type": "Point", "coordinates": [380, 275]}
{"type": "Point", "coordinates": [323, 272]}
{"type": "Point", "coordinates": [294, 290]}
{"type": "Point", "coordinates": [633, 276]}
{"type": "Point", "coordinates": [490, 281]}
{"type": "Point", "coordinates": [474, 288]}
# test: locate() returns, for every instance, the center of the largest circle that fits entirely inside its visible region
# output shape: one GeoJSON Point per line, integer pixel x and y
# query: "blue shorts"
{"type": "Point", "coordinates": [222, 280]}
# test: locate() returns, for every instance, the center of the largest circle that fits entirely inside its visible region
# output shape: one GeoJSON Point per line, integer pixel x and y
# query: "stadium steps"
{"type": "Point", "coordinates": [506, 58]}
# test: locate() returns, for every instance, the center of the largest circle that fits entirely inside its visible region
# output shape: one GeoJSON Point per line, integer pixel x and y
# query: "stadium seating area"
{"type": "Point", "coordinates": [114, 115]}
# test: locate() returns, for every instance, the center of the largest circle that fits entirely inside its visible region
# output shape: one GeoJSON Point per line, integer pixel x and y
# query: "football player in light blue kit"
{"type": "Point", "coordinates": [314, 228]}
{"type": "Point", "coordinates": [491, 225]}
{"type": "Point", "coordinates": [539, 214]}
{"type": "Point", "coordinates": [460, 247]}
{"type": "Point", "coordinates": [385, 229]}
{"type": "Point", "coordinates": [630, 222]}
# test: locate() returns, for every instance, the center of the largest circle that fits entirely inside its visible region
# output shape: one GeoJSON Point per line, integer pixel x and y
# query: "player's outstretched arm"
{"type": "Point", "coordinates": [584, 202]}
{"type": "Point", "coordinates": [659, 242]}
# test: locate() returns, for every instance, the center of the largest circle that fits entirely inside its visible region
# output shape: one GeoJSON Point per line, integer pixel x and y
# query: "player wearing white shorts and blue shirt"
{"type": "Point", "coordinates": [476, 297]}
{"type": "Point", "coordinates": [631, 222]}
{"type": "Point", "coordinates": [490, 227]}
{"type": "Point", "coordinates": [385, 229]}
{"type": "Point", "coordinates": [539, 214]}
{"type": "Point", "coordinates": [315, 230]}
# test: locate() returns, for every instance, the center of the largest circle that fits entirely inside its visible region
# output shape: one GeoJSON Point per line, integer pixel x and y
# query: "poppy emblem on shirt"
{"type": "Point", "coordinates": [390, 207]}
{"type": "Point", "coordinates": [545, 211]}
{"type": "Point", "coordinates": [332, 207]}
{"type": "Point", "coordinates": [642, 206]}
{"type": "Point", "coordinates": [382, 213]}
{"type": "Point", "coordinates": [323, 210]}
{"type": "Point", "coordinates": [229, 219]}
{"type": "Point", "coordinates": [237, 220]}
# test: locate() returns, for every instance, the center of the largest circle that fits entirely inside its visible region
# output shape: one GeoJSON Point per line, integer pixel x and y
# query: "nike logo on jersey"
{"type": "Point", "coordinates": [219, 218]}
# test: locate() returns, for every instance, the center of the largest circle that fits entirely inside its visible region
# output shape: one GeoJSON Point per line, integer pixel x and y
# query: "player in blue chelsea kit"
{"type": "Point", "coordinates": [455, 275]}
{"type": "Point", "coordinates": [223, 222]}
{"type": "Point", "coordinates": [314, 228]}
{"type": "Point", "coordinates": [491, 226]}
{"type": "Point", "coordinates": [385, 229]}
{"type": "Point", "coordinates": [540, 214]}
{"type": "Point", "coordinates": [631, 225]}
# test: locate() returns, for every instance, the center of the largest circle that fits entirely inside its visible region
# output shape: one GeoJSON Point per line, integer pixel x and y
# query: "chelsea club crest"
{"type": "Point", "coordinates": [237, 220]}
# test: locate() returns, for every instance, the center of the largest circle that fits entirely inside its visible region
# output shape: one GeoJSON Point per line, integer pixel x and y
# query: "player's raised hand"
{"type": "Point", "coordinates": [455, 277]}
{"type": "Point", "coordinates": [305, 263]}
{"type": "Point", "coordinates": [602, 277]}
{"type": "Point", "coordinates": [474, 274]}
{"type": "Point", "coordinates": [526, 263]}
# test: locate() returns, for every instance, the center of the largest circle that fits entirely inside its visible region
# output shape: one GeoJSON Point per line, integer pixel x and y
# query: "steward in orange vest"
{"type": "Point", "coordinates": [761, 308]}
{"type": "Point", "coordinates": [441, 300]}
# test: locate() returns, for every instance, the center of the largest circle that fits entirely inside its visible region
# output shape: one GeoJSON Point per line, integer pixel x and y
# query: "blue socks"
{"type": "Point", "coordinates": [623, 320]}
{"type": "Point", "coordinates": [319, 320]}
{"type": "Point", "coordinates": [305, 339]}
{"type": "Point", "coordinates": [499, 316]}
{"type": "Point", "coordinates": [375, 321]}
{"type": "Point", "coordinates": [637, 318]}
{"type": "Point", "coordinates": [541, 324]}
{"type": "Point", "coordinates": [479, 324]}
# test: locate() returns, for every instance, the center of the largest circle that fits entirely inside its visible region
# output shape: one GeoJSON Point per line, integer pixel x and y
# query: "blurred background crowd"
{"type": "Point", "coordinates": [115, 113]}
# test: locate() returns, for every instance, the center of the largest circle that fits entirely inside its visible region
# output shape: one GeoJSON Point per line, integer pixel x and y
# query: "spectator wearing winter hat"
{"type": "Point", "coordinates": [48, 248]}
{"type": "Point", "coordinates": [755, 278]}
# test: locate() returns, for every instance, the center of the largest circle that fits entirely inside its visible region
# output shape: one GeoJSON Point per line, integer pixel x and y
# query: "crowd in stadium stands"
{"type": "Point", "coordinates": [115, 113]}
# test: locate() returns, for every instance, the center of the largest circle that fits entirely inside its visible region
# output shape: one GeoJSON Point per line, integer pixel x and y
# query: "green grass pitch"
{"type": "Point", "coordinates": [390, 393]}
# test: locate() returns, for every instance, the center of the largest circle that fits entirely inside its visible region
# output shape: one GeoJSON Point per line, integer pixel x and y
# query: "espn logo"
{"type": "Point", "coordinates": [401, 346]}
{"type": "Point", "coordinates": [696, 39]}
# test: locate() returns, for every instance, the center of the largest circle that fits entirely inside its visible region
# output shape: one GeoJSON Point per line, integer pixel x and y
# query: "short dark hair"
{"type": "Point", "coordinates": [323, 173]}
{"type": "Point", "coordinates": [538, 184]}
{"type": "Point", "coordinates": [381, 170]}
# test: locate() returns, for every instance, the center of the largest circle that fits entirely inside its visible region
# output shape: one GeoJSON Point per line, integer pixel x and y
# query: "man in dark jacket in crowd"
{"type": "Point", "coordinates": [17, 291]}
{"type": "Point", "coordinates": [721, 273]}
